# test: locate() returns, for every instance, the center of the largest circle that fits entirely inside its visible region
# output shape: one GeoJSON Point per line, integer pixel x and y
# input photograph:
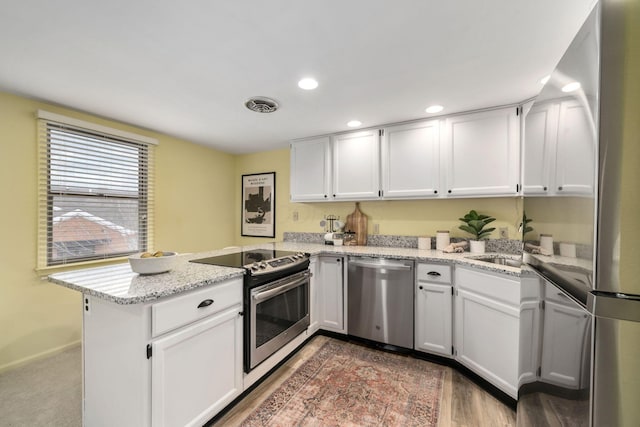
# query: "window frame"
{"type": "Point", "coordinates": [144, 197]}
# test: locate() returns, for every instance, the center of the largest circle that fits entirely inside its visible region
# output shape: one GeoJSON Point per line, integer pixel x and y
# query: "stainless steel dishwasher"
{"type": "Point", "coordinates": [380, 300]}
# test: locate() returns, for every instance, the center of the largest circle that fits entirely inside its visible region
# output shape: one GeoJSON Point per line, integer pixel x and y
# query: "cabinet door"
{"type": "Point", "coordinates": [310, 169]}
{"type": "Point", "coordinates": [564, 336]}
{"type": "Point", "coordinates": [540, 136]}
{"type": "Point", "coordinates": [411, 160]}
{"type": "Point", "coordinates": [486, 339]}
{"type": "Point", "coordinates": [433, 318]}
{"type": "Point", "coordinates": [530, 329]}
{"type": "Point", "coordinates": [529, 341]}
{"type": "Point", "coordinates": [197, 371]}
{"type": "Point", "coordinates": [576, 150]}
{"type": "Point", "coordinates": [331, 293]}
{"type": "Point", "coordinates": [482, 153]}
{"type": "Point", "coordinates": [314, 297]}
{"type": "Point", "coordinates": [356, 165]}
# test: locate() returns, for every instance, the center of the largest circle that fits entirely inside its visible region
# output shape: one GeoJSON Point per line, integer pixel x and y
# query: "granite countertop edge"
{"type": "Point", "coordinates": [151, 295]}
{"type": "Point", "coordinates": [118, 284]}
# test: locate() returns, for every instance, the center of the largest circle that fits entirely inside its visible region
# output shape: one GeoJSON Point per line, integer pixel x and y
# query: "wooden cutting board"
{"type": "Point", "coordinates": [357, 222]}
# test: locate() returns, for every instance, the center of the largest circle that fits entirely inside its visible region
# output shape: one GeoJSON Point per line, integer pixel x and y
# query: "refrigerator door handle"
{"type": "Point", "coordinates": [614, 305]}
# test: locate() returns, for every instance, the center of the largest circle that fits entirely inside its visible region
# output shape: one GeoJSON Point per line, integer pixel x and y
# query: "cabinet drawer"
{"type": "Point", "coordinates": [182, 310]}
{"type": "Point", "coordinates": [435, 273]}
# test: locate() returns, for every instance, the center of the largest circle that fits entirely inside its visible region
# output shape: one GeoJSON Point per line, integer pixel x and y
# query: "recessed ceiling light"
{"type": "Point", "coordinates": [545, 79]}
{"type": "Point", "coordinates": [308, 83]}
{"type": "Point", "coordinates": [570, 87]}
{"type": "Point", "coordinates": [434, 109]}
{"type": "Point", "coordinates": [354, 123]}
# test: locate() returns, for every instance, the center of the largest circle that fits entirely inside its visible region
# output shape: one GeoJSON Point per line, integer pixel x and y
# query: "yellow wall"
{"type": "Point", "coordinates": [545, 211]}
{"type": "Point", "coordinates": [405, 218]}
{"type": "Point", "coordinates": [194, 188]}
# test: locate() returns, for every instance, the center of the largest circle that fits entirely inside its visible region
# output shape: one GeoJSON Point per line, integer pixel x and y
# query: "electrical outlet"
{"type": "Point", "coordinates": [295, 215]}
{"type": "Point", "coordinates": [504, 233]}
{"type": "Point", "coordinates": [376, 228]}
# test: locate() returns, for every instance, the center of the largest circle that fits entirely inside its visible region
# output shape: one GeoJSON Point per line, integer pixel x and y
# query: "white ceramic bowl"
{"type": "Point", "coordinates": [153, 265]}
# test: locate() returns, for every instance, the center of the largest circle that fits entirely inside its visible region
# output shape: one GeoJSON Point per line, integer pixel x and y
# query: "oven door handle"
{"type": "Point", "coordinates": [261, 296]}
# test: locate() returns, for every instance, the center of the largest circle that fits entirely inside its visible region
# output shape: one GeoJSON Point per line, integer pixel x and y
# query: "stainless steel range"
{"type": "Point", "coordinates": [276, 298]}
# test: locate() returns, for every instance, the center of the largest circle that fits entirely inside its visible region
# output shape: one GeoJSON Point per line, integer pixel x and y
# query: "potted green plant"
{"type": "Point", "coordinates": [474, 224]}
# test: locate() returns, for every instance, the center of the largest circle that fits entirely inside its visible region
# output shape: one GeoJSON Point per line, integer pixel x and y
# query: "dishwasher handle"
{"type": "Point", "coordinates": [377, 265]}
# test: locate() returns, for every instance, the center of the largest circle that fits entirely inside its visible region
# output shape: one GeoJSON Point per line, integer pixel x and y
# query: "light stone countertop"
{"type": "Point", "coordinates": [119, 284]}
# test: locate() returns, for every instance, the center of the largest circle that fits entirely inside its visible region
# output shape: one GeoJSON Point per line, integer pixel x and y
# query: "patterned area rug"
{"type": "Point", "coordinates": [344, 384]}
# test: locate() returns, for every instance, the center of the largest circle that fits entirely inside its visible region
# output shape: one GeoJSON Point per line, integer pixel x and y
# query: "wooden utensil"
{"type": "Point", "coordinates": [357, 222]}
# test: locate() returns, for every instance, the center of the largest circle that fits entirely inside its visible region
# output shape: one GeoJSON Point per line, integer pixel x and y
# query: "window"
{"type": "Point", "coordinates": [95, 191]}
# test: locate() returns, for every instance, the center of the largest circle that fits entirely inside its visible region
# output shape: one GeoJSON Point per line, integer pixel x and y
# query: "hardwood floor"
{"type": "Point", "coordinates": [464, 403]}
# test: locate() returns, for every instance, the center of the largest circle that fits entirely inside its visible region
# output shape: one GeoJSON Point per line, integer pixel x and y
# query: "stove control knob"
{"type": "Point", "coordinates": [254, 266]}
{"type": "Point", "coordinates": [263, 265]}
{"type": "Point", "coordinates": [300, 255]}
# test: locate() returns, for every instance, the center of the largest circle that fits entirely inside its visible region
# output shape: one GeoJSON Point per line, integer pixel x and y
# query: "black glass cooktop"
{"type": "Point", "coordinates": [241, 259]}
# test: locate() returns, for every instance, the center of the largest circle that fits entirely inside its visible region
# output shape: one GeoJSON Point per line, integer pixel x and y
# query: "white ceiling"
{"type": "Point", "coordinates": [186, 68]}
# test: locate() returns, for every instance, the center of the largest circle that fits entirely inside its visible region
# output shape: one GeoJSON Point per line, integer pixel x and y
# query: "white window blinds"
{"type": "Point", "coordinates": [95, 192]}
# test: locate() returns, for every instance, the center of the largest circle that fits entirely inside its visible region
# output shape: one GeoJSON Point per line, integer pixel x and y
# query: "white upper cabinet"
{"type": "Point", "coordinates": [468, 155]}
{"type": "Point", "coordinates": [310, 169]}
{"type": "Point", "coordinates": [559, 140]}
{"type": "Point", "coordinates": [575, 150]}
{"type": "Point", "coordinates": [481, 152]}
{"type": "Point", "coordinates": [540, 134]}
{"type": "Point", "coordinates": [356, 165]}
{"type": "Point", "coordinates": [411, 160]}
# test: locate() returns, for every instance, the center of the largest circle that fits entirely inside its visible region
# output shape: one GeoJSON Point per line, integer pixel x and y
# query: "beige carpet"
{"type": "Point", "coordinates": [344, 384]}
{"type": "Point", "coordinates": [46, 392]}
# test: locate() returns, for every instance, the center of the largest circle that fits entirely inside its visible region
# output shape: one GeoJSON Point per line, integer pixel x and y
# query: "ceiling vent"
{"type": "Point", "coordinates": [261, 104]}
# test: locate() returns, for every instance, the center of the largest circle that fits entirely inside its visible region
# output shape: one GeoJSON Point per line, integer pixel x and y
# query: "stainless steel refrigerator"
{"type": "Point", "coordinates": [580, 311]}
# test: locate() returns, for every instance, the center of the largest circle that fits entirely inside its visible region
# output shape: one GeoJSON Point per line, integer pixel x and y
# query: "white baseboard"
{"type": "Point", "coordinates": [29, 359]}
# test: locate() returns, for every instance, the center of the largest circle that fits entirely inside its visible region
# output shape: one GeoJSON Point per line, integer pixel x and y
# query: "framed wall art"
{"type": "Point", "coordinates": [259, 205]}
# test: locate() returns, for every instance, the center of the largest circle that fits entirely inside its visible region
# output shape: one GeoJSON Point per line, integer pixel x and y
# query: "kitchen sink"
{"type": "Point", "coordinates": [510, 262]}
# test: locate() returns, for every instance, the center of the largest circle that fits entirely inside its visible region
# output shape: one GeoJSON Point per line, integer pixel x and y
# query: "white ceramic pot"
{"type": "Point", "coordinates": [477, 246]}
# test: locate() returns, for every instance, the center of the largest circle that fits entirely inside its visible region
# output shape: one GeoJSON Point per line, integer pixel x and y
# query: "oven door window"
{"type": "Point", "coordinates": [280, 312]}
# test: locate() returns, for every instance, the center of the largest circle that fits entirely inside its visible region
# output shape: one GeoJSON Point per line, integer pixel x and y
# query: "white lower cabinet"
{"type": "Point", "coordinates": [487, 326]}
{"type": "Point", "coordinates": [331, 293]}
{"type": "Point", "coordinates": [314, 297]}
{"type": "Point", "coordinates": [197, 371]}
{"type": "Point", "coordinates": [566, 335]}
{"type": "Point", "coordinates": [433, 309]}
{"type": "Point", "coordinates": [173, 362]}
